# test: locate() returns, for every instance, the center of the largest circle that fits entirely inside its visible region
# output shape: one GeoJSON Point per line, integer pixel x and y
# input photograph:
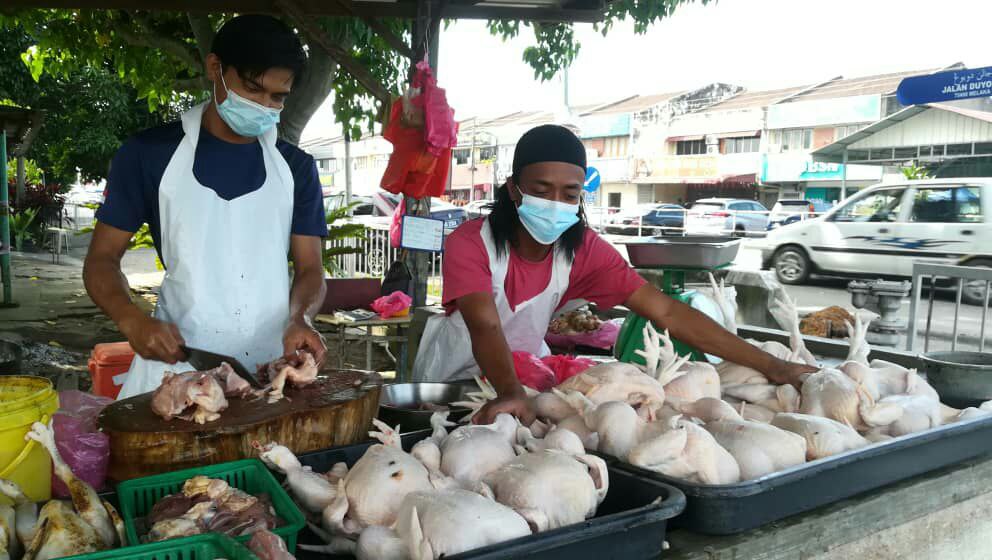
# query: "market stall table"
{"type": "Point", "coordinates": [339, 327]}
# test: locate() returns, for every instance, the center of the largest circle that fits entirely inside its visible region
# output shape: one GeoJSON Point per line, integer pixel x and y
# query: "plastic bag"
{"type": "Point", "coordinates": [532, 372]}
{"type": "Point", "coordinates": [396, 226]}
{"type": "Point", "coordinates": [396, 304]}
{"type": "Point", "coordinates": [440, 128]}
{"type": "Point", "coordinates": [604, 337]}
{"type": "Point", "coordinates": [85, 449]}
{"type": "Point", "coordinates": [565, 367]}
{"type": "Point", "coordinates": [412, 170]}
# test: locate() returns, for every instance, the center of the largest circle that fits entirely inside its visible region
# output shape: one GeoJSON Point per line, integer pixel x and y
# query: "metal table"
{"type": "Point", "coordinates": [340, 329]}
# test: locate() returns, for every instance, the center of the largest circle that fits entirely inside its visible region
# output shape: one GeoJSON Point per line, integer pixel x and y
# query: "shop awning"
{"type": "Point", "coordinates": [739, 134]}
{"type": "Point", "coordinates": [688, 138]}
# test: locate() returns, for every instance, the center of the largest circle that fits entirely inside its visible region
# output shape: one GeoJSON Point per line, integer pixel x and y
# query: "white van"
{"type": "Point", "coordinates": [881, 230]}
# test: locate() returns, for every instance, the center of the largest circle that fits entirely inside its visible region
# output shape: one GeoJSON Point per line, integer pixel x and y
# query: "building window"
{"type": "Point", "coordinates": [613, 200]}
{"type": "Point", "coordinates": [487, 153]}
{"type": "Point", "coordinates": [461, 155]}
{"type": "Point", "coordinates": [845, 131]}
{"type": "Point", "coordinates": [690, 147]}
{"type": "Point", "coordinates": [614, 147]}
{"type": "Point", "coordinates": [796, 139]}
{"type": "Point", "coordinates": [744, 145]}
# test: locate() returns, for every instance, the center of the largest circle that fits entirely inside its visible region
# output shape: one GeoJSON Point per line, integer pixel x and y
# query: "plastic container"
{"type": "Point", "coordinates": [23, 401]}
{"type": "Point", "coordinates": [734, 508]}
{"type": "Point", "coordinates": [108, 364]}
{"type": "Point", "coordinates": [137, 496]}
{"type": "Point", "coordinates": [630, 523]}
{"type": "Point", "coordinates": [209, 546]}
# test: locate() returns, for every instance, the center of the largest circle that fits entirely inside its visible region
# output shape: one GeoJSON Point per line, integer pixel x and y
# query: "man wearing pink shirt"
{"type": "Point", "coordinates": [506, 275]}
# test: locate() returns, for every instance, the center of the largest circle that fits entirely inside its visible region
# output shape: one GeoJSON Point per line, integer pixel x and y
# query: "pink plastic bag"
{"type": "Point", "coordinates": [440, 128]}
{"type": "Point", "coordinates": [532, 372]}
{"type": "Point", "coordinates": [604, 337]}
{"type": "Point", "coordinates": [566, 366]}
{"type": "Point", "coordinates": [396, 304]}
{"type": "Point", "coordinates": [85, 449]}
{"type": "Point", "coordinates": [396, 226]}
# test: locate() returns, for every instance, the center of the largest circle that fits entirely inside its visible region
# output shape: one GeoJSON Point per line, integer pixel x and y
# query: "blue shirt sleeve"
{"type": "Point", "coordinates": [308, 199]}
{"type": "Point", "coordinates": [125, 205]}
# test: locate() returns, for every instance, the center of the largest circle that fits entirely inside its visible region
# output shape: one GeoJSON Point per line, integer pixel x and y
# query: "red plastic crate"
{"type": "Point", "coordinates": [108, 363]}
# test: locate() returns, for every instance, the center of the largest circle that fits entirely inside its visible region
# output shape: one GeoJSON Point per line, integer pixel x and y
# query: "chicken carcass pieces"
{"type": "Point", "coordinates": [442, 523]}
{"type": "Point", "coordinates": [831, 394]}
{"type": "Point", "coordinates": [25, 510]}
{"type": "Point", "coordinates": [96, 513]}
{"type": "Point", "coordinates": [62, 532]}
{"type": "Point", "coordinates": [736, 374]}
{"type": "Point", "coordinates": [778, 398]}
{"type": "Point", "coordinates": [269, 546]}
{"type": "Point", "coordinates": [312, 491]}
{"type": "Point", "coordinates": [919, 413]}
{"type": "Point", "coordinates": [284, 371]}
{"type": "Point", "coordinates": [10, 545]}
{"type": "Point", "coordinates": [233, 384]}
{"type": "Point", "coordinates": [558, 438]}
{"type": "Point", "coordinates": [208, 396]}
{"type": "Point", "coordinates": [469, 453]}
{"type": "Point", "coordinates": [172, 397]}
{"type": "Point", "coordinates": [686, 451]}
{"type": "Point", "coordinates": [883, 379]}
{"type": "Point", "coordinates": [617, 381]}
{"type": "Point", "coordinates": [619, 427]}
{"type": "Point", "coordinates": [759, 449]}
{"type": "Point", "coordinates": [824, 437]}
{"type": "Point", "coordinates": [577, 425]}
{"type": "Point", "coordinates": [698, 380]}
{"type": "Point", "coordinates": [551, 488]}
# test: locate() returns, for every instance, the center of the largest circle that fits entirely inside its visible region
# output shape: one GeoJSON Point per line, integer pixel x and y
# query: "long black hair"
{"type": "Point", "coordinates": [505, 223]}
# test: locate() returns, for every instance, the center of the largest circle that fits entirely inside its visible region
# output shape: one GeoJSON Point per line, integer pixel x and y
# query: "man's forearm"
{"type": "Point", "coordinates": [108, 288]}
{"type": "Point", "coordinates": [307, 294]}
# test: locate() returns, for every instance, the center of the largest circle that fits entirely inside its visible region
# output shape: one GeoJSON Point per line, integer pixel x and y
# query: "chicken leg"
{"type": "Point", "coordinates": [25, 510]}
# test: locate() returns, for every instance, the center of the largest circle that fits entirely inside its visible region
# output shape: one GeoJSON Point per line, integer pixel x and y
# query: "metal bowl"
{"type": "Point", "coordinates": [403, 403]}
{"type": "Point", "coordinates": [961, 379]}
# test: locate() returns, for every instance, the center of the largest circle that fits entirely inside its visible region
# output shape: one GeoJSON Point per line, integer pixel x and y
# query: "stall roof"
{"type": "Point", "coordinates": [753, 99]}
{"type": "Point", "coordinates": [534, 10]}
{"type": "Point", "coordinates": [882, 84]}
{"type": "Point", "coordinates": [21, 126]}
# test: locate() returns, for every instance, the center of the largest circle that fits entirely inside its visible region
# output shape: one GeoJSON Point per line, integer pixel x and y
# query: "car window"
{"type": "Point", "coordinates": [947, 205]}
{"type": "Point", "coordinates": [708, 206]}
{"type": "Point", "coordinates": [757, 207]}
{"type": "Point", "coordinates": [880, 206]}
{"type": "Point", "coordinates": [739, 206]}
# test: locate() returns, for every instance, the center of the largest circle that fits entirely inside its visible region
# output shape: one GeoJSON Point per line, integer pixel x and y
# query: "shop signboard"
{"type": "Point", "coordinates": [788, 168]}
{"type": "Point", "coordinates": [684, 167]}
{"type": "Point", "coordinates": [946, 86]}
{"type": "Point", "coordinates": [604, 126]}
{"type": "Point", "coordinates": [822, 112]}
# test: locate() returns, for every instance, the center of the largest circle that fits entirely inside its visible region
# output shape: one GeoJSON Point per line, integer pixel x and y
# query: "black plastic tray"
{"type": "Point", "coordinates": [734, 508]}
{"type": "Point", "coordinates": [629, 524]}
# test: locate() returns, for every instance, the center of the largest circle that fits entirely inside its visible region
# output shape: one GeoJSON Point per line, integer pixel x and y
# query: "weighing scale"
{"type": "Point", "coordinates": [676, 257]}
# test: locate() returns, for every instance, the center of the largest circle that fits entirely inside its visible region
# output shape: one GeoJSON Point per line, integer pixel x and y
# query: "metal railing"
{"type": "Point", "coordinates": [933, 271]}
{"type": "Point", "coordinates": [734, 222]}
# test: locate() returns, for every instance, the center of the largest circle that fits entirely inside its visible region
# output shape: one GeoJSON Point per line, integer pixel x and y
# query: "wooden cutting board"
{"type": "Point", "coordinates": [336, 409]}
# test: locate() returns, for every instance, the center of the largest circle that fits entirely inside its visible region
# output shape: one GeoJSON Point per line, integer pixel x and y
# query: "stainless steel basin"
{"type": "Point", "coordinates": [961, 378]}
{"type": "Point", "coordinates": [410, 404]}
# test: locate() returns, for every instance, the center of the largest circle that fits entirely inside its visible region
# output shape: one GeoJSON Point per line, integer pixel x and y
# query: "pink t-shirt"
{"type": "Point", "coordinates": [599, 273]}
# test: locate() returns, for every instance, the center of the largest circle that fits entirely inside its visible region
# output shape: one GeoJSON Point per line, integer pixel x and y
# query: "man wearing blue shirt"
{"type": "Point", "coordinates": [226, 202]}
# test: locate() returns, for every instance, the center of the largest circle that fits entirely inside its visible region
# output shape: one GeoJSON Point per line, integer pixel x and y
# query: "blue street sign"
{"type": "Point", "coordinates": [946, 86]}
{"type": "Point", "coordinates": [592, 179]}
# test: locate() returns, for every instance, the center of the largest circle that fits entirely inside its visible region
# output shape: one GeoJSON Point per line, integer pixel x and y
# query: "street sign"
{"type": "Point", "coordinates": [592, 179]}
{"type": "Point", "coordinates": [946, 86]}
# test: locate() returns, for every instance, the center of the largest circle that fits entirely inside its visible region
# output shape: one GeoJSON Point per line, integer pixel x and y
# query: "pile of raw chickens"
{"type": "Point", "coordinates": [728, 423]}
{"type": "Point", "coordinates": [200, 396]}
{"type": "Point", "coordinates": [452, 492]}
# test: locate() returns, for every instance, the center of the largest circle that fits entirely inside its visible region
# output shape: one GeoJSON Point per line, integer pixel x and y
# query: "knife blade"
{"type": "Point", "coordinates": [203, 360]}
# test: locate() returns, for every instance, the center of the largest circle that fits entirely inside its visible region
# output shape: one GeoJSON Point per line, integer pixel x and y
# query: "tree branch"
{"type": "Point", "coordinates": [163, 43]}
{"type": "Point", "coordinates": [191, 84]}
{"type": "Point", "coordinates": [203, 31]}
{"type": "Point", "coordinates": [393, 40]}
{"type": "Point", "coordinates": [344, 59]}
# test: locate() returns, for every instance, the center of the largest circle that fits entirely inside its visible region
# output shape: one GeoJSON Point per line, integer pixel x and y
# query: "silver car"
{"type": "Point", "coordinates": [726, 216]}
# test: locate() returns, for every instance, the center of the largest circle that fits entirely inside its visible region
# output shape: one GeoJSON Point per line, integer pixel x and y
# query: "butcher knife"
{"type": "Point", "coordinates": [203, 360]}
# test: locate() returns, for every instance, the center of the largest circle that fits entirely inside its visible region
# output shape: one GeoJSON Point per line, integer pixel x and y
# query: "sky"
{"type": "Point", "coordinates": [758, 44]}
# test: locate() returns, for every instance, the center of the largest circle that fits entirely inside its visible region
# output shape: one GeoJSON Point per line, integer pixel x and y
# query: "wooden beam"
{"type": "Point", "coordinates": [345, 60]}
{"type": "Point", "coordinates": [393, 40]}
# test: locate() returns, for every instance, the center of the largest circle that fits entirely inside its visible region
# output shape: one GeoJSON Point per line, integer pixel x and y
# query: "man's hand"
{"type": "Point", "coordinates": [518, 405]}
{"type": "Point", "coordinates": [152, 339]}
{"type": "Point", "coordinates": [300, 335]}
{"type": "Point", "coordinates": [789, 373]}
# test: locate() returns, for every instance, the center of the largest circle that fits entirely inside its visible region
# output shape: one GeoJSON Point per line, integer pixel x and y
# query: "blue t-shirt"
{"type": "Point", "coordinates": [230, 170]}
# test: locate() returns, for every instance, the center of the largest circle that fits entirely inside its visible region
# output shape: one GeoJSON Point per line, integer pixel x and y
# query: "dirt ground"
{"type": "Point", "coordinates": [56, 324]}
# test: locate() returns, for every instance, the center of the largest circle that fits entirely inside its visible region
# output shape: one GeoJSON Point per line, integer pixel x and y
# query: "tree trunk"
{"type": "Point", "coordinates": [307, 96]}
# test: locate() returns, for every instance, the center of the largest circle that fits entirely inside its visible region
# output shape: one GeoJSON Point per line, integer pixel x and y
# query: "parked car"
{"type": "Point", "coordinates": [881, 230]}
{"type": "Point", "coordinates": [791, 211]}
{"type": "Point", "coordinates": [723, 216]}
{"type": "Point", "coordinates": [453, 216]}
{"type": "Point", "coordinates": [649, 219]}
{"type": "Point", "coordinates": [477, 208]}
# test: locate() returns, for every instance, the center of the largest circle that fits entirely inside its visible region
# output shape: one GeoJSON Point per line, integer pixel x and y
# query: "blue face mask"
{"type": "Point", "coordinates": [546, 220]}
{"type": "Point", "coordinates": [244, 116]}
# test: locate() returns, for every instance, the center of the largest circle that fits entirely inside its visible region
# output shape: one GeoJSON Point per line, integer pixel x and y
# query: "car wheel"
{"type": "Point", "coordinates": [791, 264]}
{"type": "Point", "coordinates": [739, 231]}
{"type": "Point", "coordinates": [974, 291]}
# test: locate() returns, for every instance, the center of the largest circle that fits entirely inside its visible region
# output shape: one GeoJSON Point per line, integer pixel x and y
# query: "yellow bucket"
{"type": "Point", "coordinates": [24, 401]}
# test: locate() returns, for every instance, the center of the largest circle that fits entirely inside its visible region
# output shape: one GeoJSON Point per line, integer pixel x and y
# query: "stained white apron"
{"type": "Point", "coordinates": [226, 285]}
{"type": "Point", "coordinates": [445, 351]}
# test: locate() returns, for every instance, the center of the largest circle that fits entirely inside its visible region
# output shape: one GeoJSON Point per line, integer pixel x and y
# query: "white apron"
{"type": "Point", "coordinates": [445, 351]}
{"type": "Point", "coordinates": [226, 286]}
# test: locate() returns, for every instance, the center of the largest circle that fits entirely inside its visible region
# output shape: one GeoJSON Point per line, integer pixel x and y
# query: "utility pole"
{"type": "Point", "coordinates": [471, 155]}
{"type": "Point", "coordinates": [347, 167]}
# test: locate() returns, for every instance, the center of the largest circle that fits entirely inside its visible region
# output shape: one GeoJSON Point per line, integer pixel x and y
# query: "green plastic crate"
{"type": "Point", "coordinates": [137, 496]}
{"type": "Point", "coordinates": [209, 546]}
